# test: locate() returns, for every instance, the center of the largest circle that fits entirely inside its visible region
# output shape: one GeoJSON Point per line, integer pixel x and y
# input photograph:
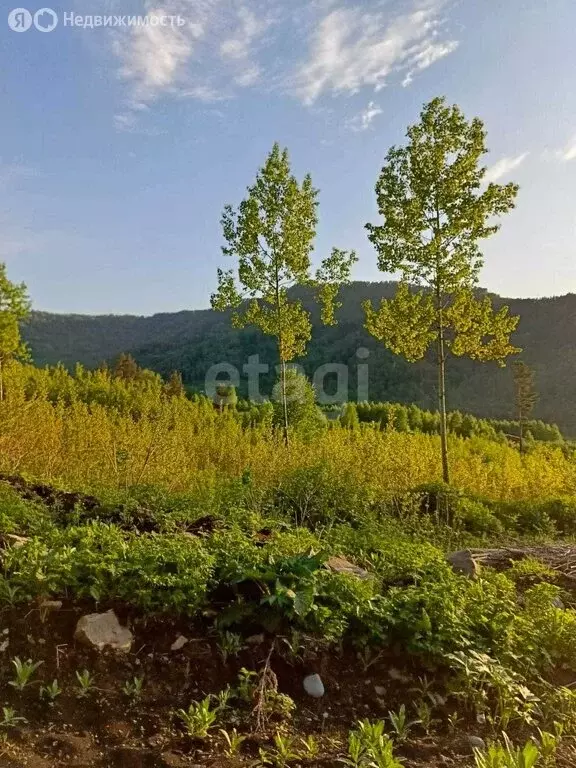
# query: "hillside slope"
{"type": "Point", "coordinates": [193, 341]}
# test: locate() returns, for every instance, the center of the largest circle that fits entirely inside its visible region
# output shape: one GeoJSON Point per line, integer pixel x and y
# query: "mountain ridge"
{"type": "Point", "coordinates": [193, 340]}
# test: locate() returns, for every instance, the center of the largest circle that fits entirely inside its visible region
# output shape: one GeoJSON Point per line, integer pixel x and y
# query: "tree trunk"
{"type": "Point", "coordinates": [441, 362]}
{"type": "Point", "coordinates": [442, 407]}
{"type": "Point", "coordinates": [521, 432]}
{"type": "Point", "coordinates": [284, 401]}
{"type": "Point", "coordinates": [1, 380]}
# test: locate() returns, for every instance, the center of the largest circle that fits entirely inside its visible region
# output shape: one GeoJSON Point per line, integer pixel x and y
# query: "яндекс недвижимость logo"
{"type": "Point", "coordinates": [21, 19]}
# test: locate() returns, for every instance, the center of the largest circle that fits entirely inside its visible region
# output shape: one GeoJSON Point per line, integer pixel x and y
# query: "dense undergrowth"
{"type": "Point", "coordinates": [196, 516]}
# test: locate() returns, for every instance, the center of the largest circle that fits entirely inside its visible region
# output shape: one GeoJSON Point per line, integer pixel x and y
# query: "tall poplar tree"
{"type": "Point", "coordinates": [271, 234]}
{"type": "Point", "coordinates": [14, 307]}
{"type": "Point", "coordinates": [435, 210]}
{"type": "Point", "coordinates": [525, 396]}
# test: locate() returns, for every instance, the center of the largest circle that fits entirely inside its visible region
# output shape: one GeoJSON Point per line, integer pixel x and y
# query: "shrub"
{"type": "Point", "coordinates": [314, 496]}
{"type": "Point", "coordinates": [562, 512]}
{"type": "Point", "coordinates": [476, 517]}
{"type": "Point", "coordinates": [155, 572]}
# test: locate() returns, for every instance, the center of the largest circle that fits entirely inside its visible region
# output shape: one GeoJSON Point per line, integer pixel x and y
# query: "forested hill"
{"type": "Point", "coordinates": [194, 340]}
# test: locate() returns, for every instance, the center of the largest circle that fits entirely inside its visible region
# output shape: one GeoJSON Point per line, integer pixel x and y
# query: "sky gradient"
{"type": "Point", "coordinates": [120, 146]}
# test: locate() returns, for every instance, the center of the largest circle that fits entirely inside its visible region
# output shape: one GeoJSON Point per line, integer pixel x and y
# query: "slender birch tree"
{"type": "Point", "coordinates": [271, 235]}
{"type": "Point", "coordinates": [435, 209]}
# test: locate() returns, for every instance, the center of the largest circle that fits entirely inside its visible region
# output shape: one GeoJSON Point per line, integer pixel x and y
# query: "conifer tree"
{"type": "Point", "coordinates": [126, 368]}
{"type": "Point", "coordinates": [525, 396]}
{"type": "Point", "coordinates": [435, 211]}
{"type": "Point", "coordinates": [349, 417]}
{"type": "Point", "coordinates": [174, 387]}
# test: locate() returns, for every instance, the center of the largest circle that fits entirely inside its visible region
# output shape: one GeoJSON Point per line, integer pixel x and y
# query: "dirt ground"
{"type": "Point", "coordinates": [106, 728]}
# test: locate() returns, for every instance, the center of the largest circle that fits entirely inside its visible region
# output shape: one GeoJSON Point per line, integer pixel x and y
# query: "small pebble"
{"type": "Point", "coordinates": [314, 686]}
{"type": "Point", "coordinates": [179, 643]}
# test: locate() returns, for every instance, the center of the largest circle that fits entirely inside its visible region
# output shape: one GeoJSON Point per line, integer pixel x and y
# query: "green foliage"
{"type": "Point", "coordinates": [14, 307]}
{"type": "Point", "coordinates": [10, 719]}
{"type": "Point", "coordinates": [198, 718]}
{"type": "Point", "coordinates": [50, 691]}
{"type": "Point", "coordinates": [303, 414]}
{"type": "Point", "coordinates": [133, 688]}
{"type": "Point", "coordinates": [225, 396]}
{"type": "Point", "coordinates": [85, 683]}
{"type": "Point", "coordinates": [349, 417]}
{"type": "Point", "coordinates": [508, 756]}
{"type": "Point", "coordinates": [233, 741]}
{"type": "Point", "coordinates": [24, 671]}
{"type": "Point", "coordinates": [370, 747]}
{"type": "Point", "coordinates": [271, 234]}
{"type": "Point", "coordinates": [434, 214]}
{"type": "Point", "coordinates": [154, 572]}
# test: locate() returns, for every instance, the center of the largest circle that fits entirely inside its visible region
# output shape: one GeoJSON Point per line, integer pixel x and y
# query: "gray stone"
{"type": "Point", "coordinates": [103, 630]}
{"type": "Point", "coordinates": [314, 686]}
{"type": "Point", "coordinates": [380, 690]}
{"type": "Point", "coordinates": [475, 742]}
{"type": "Point", "coordinates": [179, 643]}
{"type": "Point", "coordinates": [395, 674]}
{"type": "Point", "coordinates": [341, 565]}
{"type": "Point", "coordinates": [463, 562]}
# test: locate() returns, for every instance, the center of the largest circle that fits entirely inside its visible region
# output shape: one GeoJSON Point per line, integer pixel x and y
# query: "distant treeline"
{"type": "Point", "coordinates": [404, 418]}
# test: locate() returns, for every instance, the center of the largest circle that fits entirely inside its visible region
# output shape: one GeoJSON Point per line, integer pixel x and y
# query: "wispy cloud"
{"type": "Point", "coordinates": [202, 59]}
{"type": "Point", "coordinates": [427, 56]}
{"type": "Point", "coordinates": [353, 48]}
{"type": "Point", "coordinates": [363, 120]}
{"type": "Point", "coordinates": [310, 49]}
{"type": "Point", "coordinates": [153, 58]}
{"type": "Point", "coordinates": [503, 167]}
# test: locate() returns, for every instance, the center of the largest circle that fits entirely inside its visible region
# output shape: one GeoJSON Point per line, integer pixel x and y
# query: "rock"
{"type": "Point", "coordinates": [463, 562]}
{"type": "Point", "coordinates": [255, 639]}
{"type": "Point", "coordinates": [314, 686]}
{"type": "Point", "coordinates": [13, 540]}
{"type": "Point", "coordinates": [380, 690]}
{"type": "Point", "coordinates": [395, 674]}
{"type": "Point", "coordinates": [101, 630]}
{"type": "Point", "coordinates": [341, 565]}
{"type": "Point", "coordinates": [46, 607]}
{"type": "Point", "coordinates": [475, 742]}
{"type": "Point", "coordinates": [179, 643]}
{"type": "Point", "coordinates": [557, 603]}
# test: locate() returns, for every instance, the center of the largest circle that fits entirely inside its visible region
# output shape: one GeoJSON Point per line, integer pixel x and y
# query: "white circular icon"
{"type": "Point", "coordinates": [45, 20]}
{"type": "Point", "coordinates": [19, 20]}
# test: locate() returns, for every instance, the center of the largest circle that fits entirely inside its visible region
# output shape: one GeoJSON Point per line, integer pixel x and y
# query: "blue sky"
{"type": "Point", "coordinates": [120, 146]}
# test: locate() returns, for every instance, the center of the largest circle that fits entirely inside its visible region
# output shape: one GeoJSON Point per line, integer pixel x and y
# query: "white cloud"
{"type": "Point", "coordinates": [239, 45]}
{"type": "Point", "coordinates": [427, 56]}
{"type": "Point", "coordinates": [201, 59]}
{"type": "Point", "coordinates": [503, 167]}
{"type": "Point", "coordinates": [309, 48]}
{"type": "Point", "coordinates": [153, 58]}
{"type": "Point", "coordinates": [353, 48]}
{"type": "Point", "coordinates": [569, 152]}
{"type": "Point", "coordinates": [363, 120]}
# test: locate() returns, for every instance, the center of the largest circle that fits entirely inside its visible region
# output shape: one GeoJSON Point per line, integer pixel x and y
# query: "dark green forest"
{"type": "Point", "coordinates": [192, 341]}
